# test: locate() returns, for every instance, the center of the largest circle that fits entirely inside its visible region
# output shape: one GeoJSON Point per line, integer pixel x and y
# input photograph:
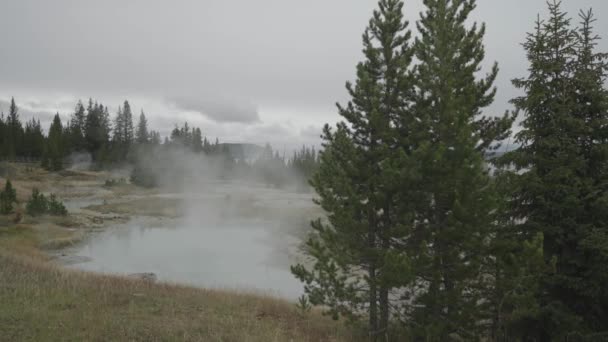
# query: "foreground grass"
{"type": "Point", "coordinates": [43, 302]}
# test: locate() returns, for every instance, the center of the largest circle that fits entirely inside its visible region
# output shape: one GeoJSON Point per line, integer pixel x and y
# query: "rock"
{"type": "Point", "coordinates": [151, 277]}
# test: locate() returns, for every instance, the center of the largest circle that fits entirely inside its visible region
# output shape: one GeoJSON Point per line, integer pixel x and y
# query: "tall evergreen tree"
{"type": "Point", "coordinates": [77, 127]}
{"type": "Point", "coordinates": [94, 131]}
{"type": "Point", "coordinates": [123, 132]}
{"type": "Point", "coordinates": [33, 139]}
{"type": "Point", "coordinates": [128, 135]}
{"type": "Point", "coordinates": [356, 264]}
{"type": "Point", "coordinates": [55, 148]}
{"type": "Point", "coordinates": [561, 176]}
{"type": "Point", "coordinates": [118, 132]}
{"type": "Point", "coordinates": [14, 132]}
{"type": "Point", "coordinates": [197, 140]}
{"type": "Point", "coordinates": [142, 136]}
{"type": "Point", "coordinates": [106, 125]}
{"type": "Point", "coordinates": [3, 136]}
{"type": "Point", "coordinates": [457, 202]}
{"type": "Point", "coordinates": [8, 196]}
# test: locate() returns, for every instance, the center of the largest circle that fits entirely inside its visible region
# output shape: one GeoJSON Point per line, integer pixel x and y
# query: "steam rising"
{"type": "Point", "coordinates": [233, 228]}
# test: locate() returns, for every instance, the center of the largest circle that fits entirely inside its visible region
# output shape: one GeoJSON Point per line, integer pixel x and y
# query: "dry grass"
{"type": "Point", "coordinates": [43, 302]}
{"type": "Point", "coordinates": [152, 206]}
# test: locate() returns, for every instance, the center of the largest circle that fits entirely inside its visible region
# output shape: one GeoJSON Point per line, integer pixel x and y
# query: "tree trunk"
{"type": "Point", "coordinates": [384, 313]}
{"type": "Point", "coordinates": [373, 306]}
{"type": "Point", "coordinates": [373, 287]}
{"type": "Point", "coordinates": [384, 288]}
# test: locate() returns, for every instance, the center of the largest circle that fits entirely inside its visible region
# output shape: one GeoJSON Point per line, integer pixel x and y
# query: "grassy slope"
{"type": "Point", "coordinates": [42, 302]}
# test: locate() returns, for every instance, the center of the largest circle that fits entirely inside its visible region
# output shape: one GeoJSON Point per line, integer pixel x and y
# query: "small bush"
{"type": "Point", "coordinates": [38, 204]}
{"type": "Point", "coordinates": [55, 207]}
{"type": "Point", "coordinates": [304, 306]}
{"type": "Point", "coordinates": [7, 197]}
{"type": "Point", "coordinates": [6, 206]}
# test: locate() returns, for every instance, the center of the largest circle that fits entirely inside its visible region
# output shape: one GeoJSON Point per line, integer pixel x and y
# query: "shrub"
{"type": "Point", "coordinates": [7, 197]}
{"type": "Point", "coordinates": [6, 206]}
{"type": "Point", "coordinates": [56, 207]}
{"type": "Point", "coordinates": [37, 204]}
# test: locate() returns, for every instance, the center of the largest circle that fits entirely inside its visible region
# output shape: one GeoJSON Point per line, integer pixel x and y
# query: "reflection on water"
{"type": "Point", "coordinates": [248, 255]}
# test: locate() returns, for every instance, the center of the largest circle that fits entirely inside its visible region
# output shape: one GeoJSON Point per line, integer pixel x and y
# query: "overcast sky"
{"type": "Point", "coordinates": [242, 70]}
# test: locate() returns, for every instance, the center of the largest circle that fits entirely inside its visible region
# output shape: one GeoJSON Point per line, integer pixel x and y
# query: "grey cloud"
{"type": "Point", "coordinates": [311, 131]}
{"type": "Point", "coordinates": [219, 110]}
{"type": "Point", "coordinates": [27, 113]}
{"type": "Point", "coordinates": [254, 50]}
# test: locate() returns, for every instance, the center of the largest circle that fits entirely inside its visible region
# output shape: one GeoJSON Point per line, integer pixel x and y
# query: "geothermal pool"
{"type": "Point", "coordinates": [244, 245]}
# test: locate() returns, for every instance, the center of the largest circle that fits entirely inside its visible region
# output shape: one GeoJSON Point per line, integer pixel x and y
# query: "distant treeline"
{"type": "Point", "coordinates": [118, 141]}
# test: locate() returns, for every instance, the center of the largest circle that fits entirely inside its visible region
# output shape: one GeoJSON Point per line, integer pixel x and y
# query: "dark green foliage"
{"type": "Point", "coordinates": [141, 135]}
{"type": "Point", "coordinates": [511, 273]}
{"type": "Point", "coordinates": [38, 205]}
{"type": "Point", "coordinates": [123, 131]}
{"type": "Point", "coordinates": [56, 207]}
{"type": "Point", "coordinates": [356, 261]}
{"type": "Point", "coordinates": [8, 196]}
{"type": "Point", "coordinates": [561, 180]}
{"type": "Point", "coordinates": [12, 136]}
{"type": "Point", "coordinates": [33, 140]}
{"type": "Point", "coordinates": [55, 145]}
{"type": "Point", "coordinates": [96, 132]}
{"type": "Point", "coordinates": [457, 202]}
{"type": "Point", "coordinates": [77, 127]}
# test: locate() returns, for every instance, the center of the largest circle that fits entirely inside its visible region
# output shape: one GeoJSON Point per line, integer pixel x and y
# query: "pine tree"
{"type": "Point", "coordinates": [77, 128]}
{"type": "Point", "coordinates": [119, 128]}
{"type": "Point", "coordinates": [106, 126]}
{"type": "Point", "coordinates": [356, 264]}
{"type": "Point", "coordinates": [55, 148]}
{"type": "Point", "coordinates": [448, 138]}
{"type": "Point", "coordinates": [8, 196]}
{"type": "Point", "coordinates": [123, 132]}
{"type": "Point", "coordinates": [142, 136]}
{"type": "Point", "coordinates": [128, 133]}
{"type": "Point", "coordinates": [33, 139]}
{"type": "Point", "coordinates": [588, 274]}
{"type": "Point", "coordinates": [511, 272]}
{"type": "Point", "coordinates": [561, 178]}
{"type": "Point", "coordinates": [155, 138]}
{"type": "Point", "coordinates": [14, 132]}
{"type": "Point", "coordinates": [197, 140]}
{"type": "Point", "coordinates": [3, 136]}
